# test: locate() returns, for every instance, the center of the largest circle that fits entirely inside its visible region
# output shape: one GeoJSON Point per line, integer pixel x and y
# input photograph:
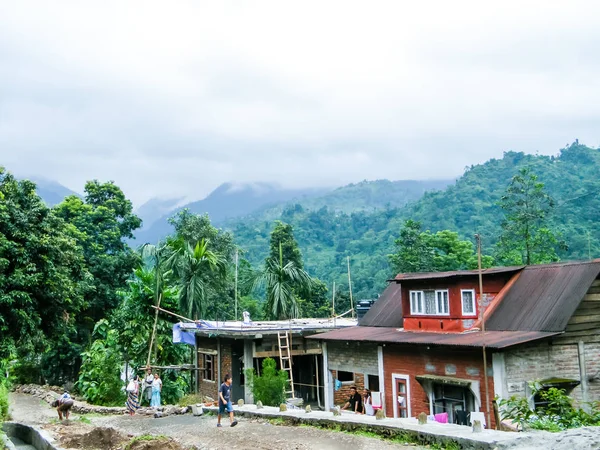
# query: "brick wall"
{"type": "Point", "coordinates": [450, 362]}
{"type": "Point", "coordinates": [341, 396]}
{"type": "Point", "coordinates": [211, 388]}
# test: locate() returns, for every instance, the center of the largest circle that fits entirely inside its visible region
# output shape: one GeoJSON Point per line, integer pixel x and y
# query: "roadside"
{"type": "Point", "coordinates": [199, 432]}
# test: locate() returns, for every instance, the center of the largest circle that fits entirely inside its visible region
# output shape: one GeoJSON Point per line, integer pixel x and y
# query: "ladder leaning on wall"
{"type": "Point", "coordinates": [285, 358]}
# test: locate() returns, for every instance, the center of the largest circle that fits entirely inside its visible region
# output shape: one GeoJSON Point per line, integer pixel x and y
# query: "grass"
{"type": "Point", "coordinates": [84, 419]}
{"type": "Point", "coordinates": [145, 437]}
{"type": "Point", "coordinates": [189, 400]}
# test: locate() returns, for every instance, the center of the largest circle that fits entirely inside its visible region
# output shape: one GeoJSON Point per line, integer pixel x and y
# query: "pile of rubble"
{"type": "Point", "coordinates": [51, 393]}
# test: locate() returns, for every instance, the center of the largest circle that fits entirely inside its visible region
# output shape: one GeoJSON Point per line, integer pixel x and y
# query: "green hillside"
{"type": "Point", "coordinates": [327, 236]}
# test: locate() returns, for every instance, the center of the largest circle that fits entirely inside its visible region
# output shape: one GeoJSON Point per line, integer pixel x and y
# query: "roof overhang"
{"type": "Point", "coordinates": [444, 380]}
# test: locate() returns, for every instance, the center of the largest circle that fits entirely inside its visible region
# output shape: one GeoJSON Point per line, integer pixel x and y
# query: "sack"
{"type": "Point", "coordinates": [131, 387]}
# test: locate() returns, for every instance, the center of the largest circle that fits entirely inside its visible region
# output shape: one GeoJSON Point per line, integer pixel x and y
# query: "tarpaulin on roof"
{"type": "Point", "coordinates": [182, 337]}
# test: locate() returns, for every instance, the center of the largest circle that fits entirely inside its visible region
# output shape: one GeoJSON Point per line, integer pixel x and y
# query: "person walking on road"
{"type": "Point", "coordinates": [225, 401]}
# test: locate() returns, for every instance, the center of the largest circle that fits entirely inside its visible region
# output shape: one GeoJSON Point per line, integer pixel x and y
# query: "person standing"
{"type": "Point", "coordinates": [156, 390]}
{"type": "Point", "coordinates": [354, 402]}
{"type": "Point", "coordinates": [368, 403]}
{"type": "Point", "coordinates": [148, 385]}
{"type": "Point", "coordinates": [225, 401]}
{"type": "Point", "coordinates": [133, 399]}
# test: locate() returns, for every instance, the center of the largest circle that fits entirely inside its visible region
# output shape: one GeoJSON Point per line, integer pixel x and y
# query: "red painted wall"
{"type": "Point", "coordinates": [455, 322]}
{"type": "Point", "coordinates": [413, 361]}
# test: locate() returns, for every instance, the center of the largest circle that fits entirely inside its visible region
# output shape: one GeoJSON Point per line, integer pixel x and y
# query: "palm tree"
{"type": "Point", "coordinates": [192, 265]}
{"type": "Point", "coordinates": [281, 283]}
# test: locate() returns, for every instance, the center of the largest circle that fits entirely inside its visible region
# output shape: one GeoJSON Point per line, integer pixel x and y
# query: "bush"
{"type": "Point", "coordinates": [3, 402]}
{"type": "Point", "coordinates": [269, 388]}
{"type": "Point", "coordinates": [557, 414]}
{"type": "Point", "coordinates": [99, 381]}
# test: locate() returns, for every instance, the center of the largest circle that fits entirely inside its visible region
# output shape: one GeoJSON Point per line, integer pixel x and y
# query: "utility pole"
{"type": "Point", "coordinates": [235, 284]}
{"type": "Point", "coordinates": [333, 303]}
{"type": "Point", "coordinates": [482, 320]}
{"type": "Point", "coordinates": [350, 287]}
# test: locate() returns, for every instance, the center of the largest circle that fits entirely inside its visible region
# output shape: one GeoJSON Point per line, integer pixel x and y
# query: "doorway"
{"type": "Point", "coordinates": [401, 395]}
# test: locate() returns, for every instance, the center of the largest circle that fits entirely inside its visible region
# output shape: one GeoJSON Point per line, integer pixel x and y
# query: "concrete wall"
{"type": "Point", "coordinates": [550, 360]}
{"type": "Point", "coordinates": [357, 358]}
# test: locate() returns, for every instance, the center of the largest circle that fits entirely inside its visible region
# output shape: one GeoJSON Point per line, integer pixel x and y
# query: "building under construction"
{"type": "Point", "coordinates": [232, 347]}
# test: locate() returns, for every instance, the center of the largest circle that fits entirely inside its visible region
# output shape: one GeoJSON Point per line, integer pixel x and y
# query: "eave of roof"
{"type": "Point", "coordinates": [453, 274]}
{"type": "Point", "coordinates": [491, 339]}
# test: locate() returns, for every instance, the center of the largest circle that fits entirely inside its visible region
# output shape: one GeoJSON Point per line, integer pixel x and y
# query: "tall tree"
{"type": "Point", "coordinates": [526, 235]}
{"type": "Point", "coordinates": [281, 281]}
{"type": "Point", "coordinates": [192, 265]}
{"type": "Point", "coordinates": [423, 251]}
{"type": "Point", "coordinates": [104, 219]}
{"type": "Point", "coordinates": [283, 236]}
{"type": "Point", "coordinates": [43, 279]}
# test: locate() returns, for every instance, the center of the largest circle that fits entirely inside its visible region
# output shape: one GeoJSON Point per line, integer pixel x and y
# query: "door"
{"type": "Point", "coordinates": [401, 395]}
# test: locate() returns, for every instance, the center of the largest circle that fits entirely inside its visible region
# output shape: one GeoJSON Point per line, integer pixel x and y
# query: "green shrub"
{"type": "Point", "coordinates": [269, 388]}
{"type": "Point", "coordinates": [3, 402]}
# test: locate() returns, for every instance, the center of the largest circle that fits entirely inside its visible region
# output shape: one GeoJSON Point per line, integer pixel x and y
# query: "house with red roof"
{"type": "Point", "coordinates": [421, 346]}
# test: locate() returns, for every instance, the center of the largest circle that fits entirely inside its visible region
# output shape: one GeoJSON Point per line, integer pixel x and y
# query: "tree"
{"type": "Point", "coordinates": [104, 220]}
{"type": "Point", "coordinates": [283, 236]}
{"type": "Point", "coordinates": [423, 251]}
{"type": "Point", "coordinates": [526, 237]}
{"type": "Point", "coordinates": [43, 279]}
{"type": "Point", "coordinates": [281, 281]}
{"type": "Point", "coordinates": [270, 386]}
{"type": "Point", "coordinates": [192, 265]}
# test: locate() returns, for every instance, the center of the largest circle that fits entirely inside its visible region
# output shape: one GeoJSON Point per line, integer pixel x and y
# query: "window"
{"type": "Point", "coordinates": [207, 369]}
{"type": "Point", "coordinates": [429, 303]}
{"type": "Point", "coordinates": [345, 377]}
{"type": "Point", "coordinates": [468, 302]}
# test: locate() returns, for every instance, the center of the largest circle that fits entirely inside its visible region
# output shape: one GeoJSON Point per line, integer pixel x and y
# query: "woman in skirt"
{"type": "Point", "coordinates": [133, 395]}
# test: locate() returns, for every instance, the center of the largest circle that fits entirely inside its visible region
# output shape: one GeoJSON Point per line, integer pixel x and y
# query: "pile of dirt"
{"type": "Point", "coordinates": [159, 443]}
{"type": "Point", "coordinates": [101, 438]}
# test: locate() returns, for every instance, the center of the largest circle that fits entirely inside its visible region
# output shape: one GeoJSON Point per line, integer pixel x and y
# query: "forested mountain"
{"type": "Point", "coordinates": [155, 208]}
{"type": "Point", "coordinates": [227, 201]}
{"type": "Point", "coordinates": [468, 206]}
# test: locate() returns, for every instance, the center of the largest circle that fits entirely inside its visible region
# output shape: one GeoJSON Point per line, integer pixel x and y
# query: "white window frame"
{"type": "Point", "coordinates": [441, 292]}
{"type": "Point", "coordinates": [462, 303]}
{"type": "Point", "coordinates": [416, 295]}
{"type": "Point", "coordinates": [421, 297]}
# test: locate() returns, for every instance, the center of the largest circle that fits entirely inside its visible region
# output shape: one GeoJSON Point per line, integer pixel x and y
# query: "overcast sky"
{"type": "Point", "coordinates": [175, 97]}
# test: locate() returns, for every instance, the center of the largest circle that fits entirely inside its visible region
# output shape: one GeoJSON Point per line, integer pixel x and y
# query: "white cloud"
{"type": "Point", "coordinates": [173, 98]}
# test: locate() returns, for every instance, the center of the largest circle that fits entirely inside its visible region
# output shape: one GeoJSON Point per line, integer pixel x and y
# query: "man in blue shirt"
{"type": "Point", "coordinates": [225, 401]}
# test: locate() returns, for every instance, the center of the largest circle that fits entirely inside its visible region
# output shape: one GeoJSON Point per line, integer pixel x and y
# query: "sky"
{"type": "Point", "coordinates": [173, 98]}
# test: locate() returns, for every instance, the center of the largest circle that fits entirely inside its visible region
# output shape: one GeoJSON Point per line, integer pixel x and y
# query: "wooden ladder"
{"type": "Point", "coordinates": [285, 358]}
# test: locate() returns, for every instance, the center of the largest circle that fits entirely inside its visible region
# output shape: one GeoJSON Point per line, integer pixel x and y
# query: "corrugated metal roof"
{"type": "Point", "coordinates": [493, 339]}
{"type": "Point", "coordinates": [387, 310]}
{"type": "Point", "coordinates": [544, 297]}
{"type": "Point", "coordinates": [454, 273]}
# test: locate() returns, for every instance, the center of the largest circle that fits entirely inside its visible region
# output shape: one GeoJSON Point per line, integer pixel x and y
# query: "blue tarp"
{"type": "Point", "coordinates": [182, 337]}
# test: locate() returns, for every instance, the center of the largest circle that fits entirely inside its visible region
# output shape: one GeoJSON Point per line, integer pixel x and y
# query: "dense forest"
{"type": "Point", "coordinates": [76, 300]}
{"type": "Point", "coordinates": [471, 205]}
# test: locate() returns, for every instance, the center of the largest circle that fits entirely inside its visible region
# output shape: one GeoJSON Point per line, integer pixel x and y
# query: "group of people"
{"type": "Point", "coordinates": [150, 387]}
{"type": "Point", "coordinates": [360, 404]}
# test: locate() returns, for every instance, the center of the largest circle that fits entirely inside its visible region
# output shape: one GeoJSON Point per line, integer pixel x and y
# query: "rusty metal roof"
{"type": "Point", "coordinates": [544, 297]}
{"type": "Point", "coordinates": [387, 310]}
{"type": "Point", "coordinates": [493, 339]}
{"type": "Point", "coordinates": [454, 273]}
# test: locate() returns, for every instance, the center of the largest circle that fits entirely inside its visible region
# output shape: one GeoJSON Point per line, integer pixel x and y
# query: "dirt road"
{"type": "Point", "coordinates": [202, 432]}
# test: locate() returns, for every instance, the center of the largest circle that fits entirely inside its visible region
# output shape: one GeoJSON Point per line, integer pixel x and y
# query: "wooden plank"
{"type": "Point", "coordinates": [583, 327]}
{"type": "Point", "coordinates": [579, 333]}
{"type": "Point", "coordinates": [591, 297]}
{"type": "Point", "coordinates": [594, 290]}
{"type": "Point", "coordinates": [585, 319]}
{"type": "Point", "coordinates": [275, 354]}
{"type": "Point", "coordinates": [587, 308]}
{"type": "Point", "coordinates": [596, 283]}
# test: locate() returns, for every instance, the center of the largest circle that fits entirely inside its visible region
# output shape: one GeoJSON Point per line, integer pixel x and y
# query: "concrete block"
{"type": "Point", "coordinates": [197, 410]}
{"type": "Point", "coordinates": [379, 415]}
{"type": "Point", "coordinates": [422, 418]}
{"type": "Point", "coordinates": [477, 427]}
{"type": "Point", "coordinates": [259, 405]}
{"type": "Point", "coordinates": [241, 402]}
{"type": "Point", "coordinates": [282, 407]}
{"type": "Point", "coordinates": [308, 409]}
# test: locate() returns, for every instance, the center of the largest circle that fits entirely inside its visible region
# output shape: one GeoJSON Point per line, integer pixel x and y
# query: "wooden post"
{"type": "Point", "coordinates": [318, 387]}
{"type": "Point", "coordinates": [153, 329]}
{"type": "Point", "coordinates": [236, 284]}
{"type": "Point", "coordinates": [482, 319]}
{"type": "Point", "coordinates": [333, 304]}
